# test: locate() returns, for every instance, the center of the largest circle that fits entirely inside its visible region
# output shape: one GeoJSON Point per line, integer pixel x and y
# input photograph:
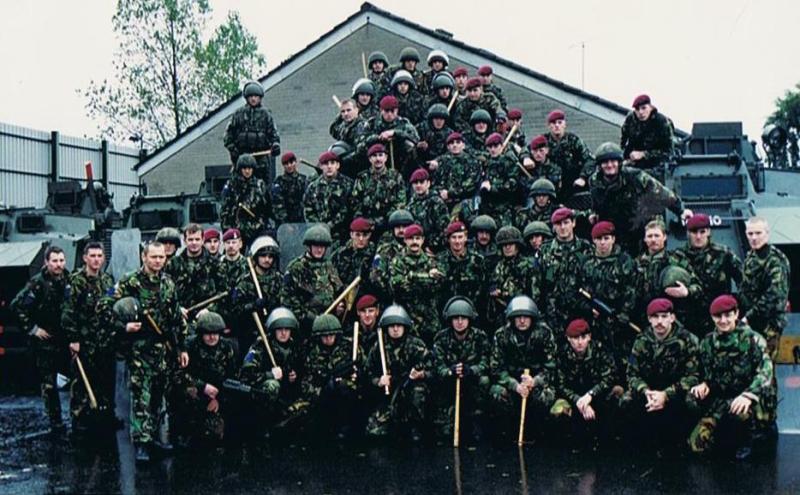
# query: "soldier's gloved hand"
{"type": "Point", "coordinates": [423, 145]}
{"type": "Point", "coordinates": [276, 149]}
{"type": "Point", "coordinates": [260, 303]}
{"type": "Point", "coordinates": [455, 370]}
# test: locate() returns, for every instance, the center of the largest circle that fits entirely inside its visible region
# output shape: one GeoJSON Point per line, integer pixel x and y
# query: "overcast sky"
{"type": "Point", "coordinates": [699, 60]}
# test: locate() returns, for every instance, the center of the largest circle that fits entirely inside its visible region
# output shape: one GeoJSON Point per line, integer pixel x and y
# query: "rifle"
{"type": "Point", "coordinates": [247, 210]}
{"type": "Point", "coordinates": [604, 309]}
{"type": "Point", "coordinates": [238, 387]}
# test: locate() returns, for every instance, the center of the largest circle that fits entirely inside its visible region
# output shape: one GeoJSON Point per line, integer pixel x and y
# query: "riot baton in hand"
{"type": "Point", "coordinates": [383, 358]}
{"type": "Point", "coordinates": [92, 398]}
{"type": "Point", "coordinates": [256, 317]}
{"type": "Point", "coordinates": [457, 414]}
{"type": "Point", "coordinates": [521, 437]}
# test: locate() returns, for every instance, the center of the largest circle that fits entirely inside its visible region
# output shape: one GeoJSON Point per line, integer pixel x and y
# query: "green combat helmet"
{"type": "Point", "coordinates": [480, 115]}
{"type": "Point", "coordinates": [409, 53]}
{"type": "Point", "coordinates": [438, 111]}
{"type": "Point", "coordinates": [341, 149]}
{"type": "Point", "coordinates": [607, 151]}
{"type": "Point", "coordinates": [394, 315]}
{"type": "Point", "coordinates": [508, 235]}
{"type": "Point", "coordinates": [326, 325]}
{"type": "Point", "coordinates": [364, 86]}
{"type": "Point", "coordinates": [318, 235]}
{"type": "Point", "coordinates": [439, 55]}
{"type": "Point", "coordinates": [671, 275]}
{"type": "Point", "coordinates": [403, 76]}
{"type": "Point", "coordinates": [282, 318]}
{"type": "Point", "coordinates": [169, 235]}
{"type": "Point", "coordinates": [378, 56]}
{"type": "Point", "coordinates": [443, 80]}
{"type": "Point", "coordinates": [400, 218]}
{"type": "Point", "coordinates": [210, 322]}
{"type": "Point", "coordinates": [537, 228]}
{"type": "Point", "coordinates": [542, 186]}
{"type": "Point", "coordinates": [521, 306]}
{"type": "Point", "coordinates": [246, 160]}
{"type": "Point", "coordinates": [459, 306]}
{"type": "Point", "coordinates": [252, 88]}
{"type": "Point", "coordinates": [265, 245]}
{"type": "Point", "coordinates": [485, 223]}
{"type": "Point", "coordinates": [126, 310]}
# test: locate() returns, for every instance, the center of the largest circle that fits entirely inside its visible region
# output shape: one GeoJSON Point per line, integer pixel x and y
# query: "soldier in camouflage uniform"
{"type": "Point", "coordinates": [518, 141]}
{"type": "Point", "coordinates": [460, 351]}
{"type": "Point", "coordinates": [153, 291]}
{"type": "Point", "coordinates": [230, 268]}
{"type": "Point", "coordinates": [278, 387]}
{"type": "Point", "coordinates": [246, 203]}
{"type": "Point", "coordinates": [390, 245]}
{"type": "Point", "coordinates": [211, 242]}
{"type": "Point", "coordinates": [378, 73]}
{"type": "Point", "coordinates": [38, 308]}
{"type": "Point", "coordinates": [408, 364]}
{"type": "Point", "coordinates": [476, 99]}
{"type": "Point", "coordinates": [483, 229]}
{"type": "Point", "coordinates": [499, 186]}
{"type": "Point", "coordinates": [265, 255]}
{"type": "Point", "coordinates": [514, 275]}
{"type": "Point", "coordinates": [354, 259]}
{"type": "Point", "coordinates": [193, 270]}
{"type": "Point", "coordinates": [350, 127]}
{"type": "Point", "coordinates": [311, 282]}
{"type": "Point", "coordinates": [438, 62]}
{"type": "Point", "coordinates": [584, 379]}
{"type": "Point", "coordinates": [433, 133]}
{"type": "Point", "coordinates": [211, 362]}
{"type": "Point", "coordinates": [628, 197]}
{"type": "Point", "coordinates": [85, 327]}
{"type": "Point", "coordinates": [543, 195]}
{"type": "Point", "coordinates": [737, 385]}
{"type": "Point", "coordinates": [456, 173]}
{"type": "Point", "coordinates": [409, 58]}
{"type": "Point", "coordinates": [535, 235]}
{"type": "Point", "coordinates": [524, 342]}
{"type": "Point", "coordinates": [561, 259]}
{"type": "Point", "coordinates": [480, 129]}
{"type": "Point", "coordinates": [716, 266]}
{"type": "Point", "coordinates": [538, 165]}
{"type": "Point", "coordinates": [396, 133]}
{"type": "Point", "coordinates": [647, 138]}
{"type": "Point", "coordinates": [443, 88]}
{"type": "Point", "coordinates": [410, 100]}
{"type": "Point", "coordinates": [365, 94]}
{"type": "Point", "coordinates": [378, 191]}
{"type": "Point", "coordinates": [287, 192]}
{"type": "Point", "coordinates": [327, 198]}
{"type": "Point", "coordinates": [170, 237]}
{"type": "Point", "coordinates": [765, 286]}
{"type": "Point", "coordinates": [252, 130]}
{"type": "Point", "coordinates": [428, 210]}
{"type": "Point", "coordinates": [609, 274]}
{"type": "Point", "coordinates": [464, 269]}
{"type": "Point", "coordinates": [568, 152]}
{"type": "Point", "coordinates": [486, 74]}
{"type": "Point", "coordinates": [368, 311]}
{"type": "Point", "coordinates": [662, 368]}
{"type": "Point", "coordinates": [330, 385]}
{"type": "Point", "coordinates": [412, 273]}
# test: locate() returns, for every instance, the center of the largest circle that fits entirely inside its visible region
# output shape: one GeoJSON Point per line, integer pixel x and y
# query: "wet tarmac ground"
{"type": "Point", "coordinates": [32, 461]}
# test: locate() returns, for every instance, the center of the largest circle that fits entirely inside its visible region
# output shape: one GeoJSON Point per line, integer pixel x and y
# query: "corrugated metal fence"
{"type": "Point", "coordinates": [29, 159]}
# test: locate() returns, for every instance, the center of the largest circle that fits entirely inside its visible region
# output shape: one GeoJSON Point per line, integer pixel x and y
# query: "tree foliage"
{"type": "Point", "coordinates": [165, 77]}
{"type": "Point", "coordinates": [787, 117]}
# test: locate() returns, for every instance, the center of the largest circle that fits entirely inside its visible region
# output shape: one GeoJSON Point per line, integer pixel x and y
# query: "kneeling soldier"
{"type": "Point", "coordinates": [407, 366]}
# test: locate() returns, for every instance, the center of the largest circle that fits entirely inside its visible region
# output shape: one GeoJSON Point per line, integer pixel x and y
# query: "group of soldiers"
{"type": "Point", "coordinates": [441, 289]}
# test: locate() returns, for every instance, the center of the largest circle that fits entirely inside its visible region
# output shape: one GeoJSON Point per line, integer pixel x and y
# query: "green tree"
{"type": "Point", "coordinates": [162, 79]}
{"type": "Point", "coordinates": [787, 117]}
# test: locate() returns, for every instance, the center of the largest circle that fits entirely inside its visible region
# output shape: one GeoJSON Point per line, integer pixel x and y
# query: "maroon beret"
{"type": "Point", "coordinates": [412, 230]}
{"type": "Point", "coordinates": [419, 175]}
{"type": "Point", "coordinates": [454, 136]}
{"type": "Point", "coordinates": [288, 157]}
{"type": "Point", "coordinates": [389, 103]}
{"type": "Point", "coordinates": [455, 227]}
{"type": "Point", "coordinates": [641, 100]}
{"type": "Point", "coordinates": [561, 214]}
{"type": "Point", "coordinates": [698, 221]}
{"type": "Point", "coordinates": [366, 301]}
{"type": "Point", "coordinates": [460, 71]}
{"type": "Point", "coordinates": [210, 234]}
{"type": "Point", "coordinates": [515, 114]}
{"type": "Point", "coordinates": [494, 138]}
{"type": "Point", "coordinates": [577, 327]}
{"type": "Point", "coordinates": [376, 148]}
{"type": "Point", "coordinates": [602, 228]}
{"type": "Point", "coordinates": [474, 83]}
{"type": "Point", "coordinates": [538, 142]}
{"type": "Point", "coordinates": [328, 156]}
{"type": "Point", "coordinates": [231, 234]}
{"type": "Point", "coordinates": [723, 304]}
{"type": "Point", "coordinates": [659, 305]}
{"type": "Point", "coordinates": [360, 224]}
{"type": "Point", "coordinates": [485, 70]}
{"type": "Point", "coordinates": [555, 115]}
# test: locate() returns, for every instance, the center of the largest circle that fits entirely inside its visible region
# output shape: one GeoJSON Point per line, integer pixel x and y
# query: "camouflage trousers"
{"type": "Point", "coordinates": [571, 423]}
{"type": "Point", "coordinates": [100, 367]}
{"type": "Point", "coordinates": [49, 360]}
{"type": "Point", "coordinates": [200, 422]}
{"type": "Point", "coordinates": [405, 406]}
{"type": "Point", "coordinates": [664, 428]}
{"type": "Point", "coordinates": [773, 336]}
{"type": "Point", "coordinates": [474, 401]}
{"type": "Point", "coordinates": [507, 403]}
{"type": "Point", "coordinates": [148, 383]}
{"type": "Point", "coordinates": [716, 413]}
